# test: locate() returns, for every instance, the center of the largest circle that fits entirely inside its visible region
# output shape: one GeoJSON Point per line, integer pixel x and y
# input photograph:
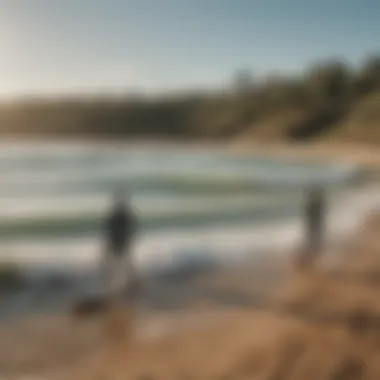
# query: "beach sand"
{"type": "Point", "coordinates": [57, 342]}
{"type": "Point", "coordinates": [246, 320]}
{"type": "Point", "coordinates": [321, 323]}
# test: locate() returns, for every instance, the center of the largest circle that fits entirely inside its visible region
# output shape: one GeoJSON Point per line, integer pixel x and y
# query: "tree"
{"type": "Point", "coordinates": [330, 79]}
{"type": "Point", "coordinates": [369, 76]}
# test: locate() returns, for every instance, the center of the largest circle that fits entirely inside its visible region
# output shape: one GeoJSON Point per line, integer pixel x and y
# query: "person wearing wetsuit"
{"type": "Point", "coordinates": [315, 213]}
{"type": "Point", "coordinates": [120, 229]}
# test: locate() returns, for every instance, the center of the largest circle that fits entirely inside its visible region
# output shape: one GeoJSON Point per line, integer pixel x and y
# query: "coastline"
{"type": "Point", "coordinates": [363, 154]}
{"type": "Point", "coordinates": [282, 340]}
{"type": "Point", "coordinates": [228, 280]}
{"type": "Point", "coordinates": [228, 299]}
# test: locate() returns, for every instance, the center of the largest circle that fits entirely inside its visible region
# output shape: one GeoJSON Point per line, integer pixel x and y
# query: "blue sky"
{"type": "Point", "coordinates": [68, 46]}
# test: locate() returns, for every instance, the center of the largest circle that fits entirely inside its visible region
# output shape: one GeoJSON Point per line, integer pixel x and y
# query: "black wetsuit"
{"type": "Point", "coordinates": [315, 220]}
{"type": "Point", "coordinates": [120, 229]}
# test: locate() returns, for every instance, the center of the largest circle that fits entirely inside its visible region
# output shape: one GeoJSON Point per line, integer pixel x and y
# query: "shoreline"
{"type": "Point", "coordinates": [198, 250]}
{"type": "Point", "coordinates": [64, 332]}
{"type": "Point", "coordinates": [242, 242]}
{"type": "Point", "coordinates": [363, 154]}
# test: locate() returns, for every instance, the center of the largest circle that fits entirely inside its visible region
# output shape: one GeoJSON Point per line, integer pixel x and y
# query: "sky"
{"type": "Point", "coordinates": [95, 46]}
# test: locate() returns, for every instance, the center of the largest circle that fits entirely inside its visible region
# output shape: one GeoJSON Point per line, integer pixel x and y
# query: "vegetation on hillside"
{"type": "Point", "coordinates": [330, 99]}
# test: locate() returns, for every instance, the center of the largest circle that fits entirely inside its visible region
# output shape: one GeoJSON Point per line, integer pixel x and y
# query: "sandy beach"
{"type": "Point", "coordinates": [229, 316]}
{"type": "Point", "coordinates": [57, 342]}
{"type": "Point", "coordinates": [320, 323]}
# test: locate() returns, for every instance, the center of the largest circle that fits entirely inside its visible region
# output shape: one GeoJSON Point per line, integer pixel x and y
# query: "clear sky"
{"type": "Point", "coordinates": [66, 46]}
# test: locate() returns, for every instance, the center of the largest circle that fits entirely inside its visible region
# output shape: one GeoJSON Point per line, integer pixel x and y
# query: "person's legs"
{"type": "Point", "coordinates": [120, 272]}
{"type": "Point", "coordinates": [312, 245]}
{"type": "Point", "coordinates": [110, 275]}
{"type": "Point", "coordinates": [110, 271]}
{"type": "Point", "coordinates": [131, 284]}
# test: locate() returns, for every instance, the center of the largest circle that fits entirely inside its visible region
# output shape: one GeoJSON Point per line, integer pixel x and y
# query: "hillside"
{"type": "Point", "coordinates": [329, 100]}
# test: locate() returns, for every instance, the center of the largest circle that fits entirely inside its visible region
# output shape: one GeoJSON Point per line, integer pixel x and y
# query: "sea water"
{"type": "Point", "coordinates": [192, 205]}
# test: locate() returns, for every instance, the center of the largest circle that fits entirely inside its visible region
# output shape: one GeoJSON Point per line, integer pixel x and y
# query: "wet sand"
{"type": "Point", "coordinates": [56, 342]}
{"type": "Point", "coordinates": [226, 299]}
{"type": "Point", "coordinates": [322, 323]}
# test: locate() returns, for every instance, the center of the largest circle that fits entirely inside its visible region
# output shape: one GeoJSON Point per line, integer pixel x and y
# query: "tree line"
{"type": "Point", "coordinates": [318, 97]}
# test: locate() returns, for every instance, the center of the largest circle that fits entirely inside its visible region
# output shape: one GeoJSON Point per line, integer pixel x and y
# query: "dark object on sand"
{"type": "Point", "coordinates": [89, 307]}
{"type": "Point", "coordinates": [98, 304]}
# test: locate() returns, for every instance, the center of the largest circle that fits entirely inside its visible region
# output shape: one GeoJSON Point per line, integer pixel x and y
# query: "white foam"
{"type": "Point", "coordinates": [64, 164]}
{"type": "Point", "coordinates": [36, 207]}
{"type": "Point", "coordinates": [154, 249]}
{"type": "Point", "coordinates": [222, 243]}
{"type": "Point", "coordinates": [59, 178]}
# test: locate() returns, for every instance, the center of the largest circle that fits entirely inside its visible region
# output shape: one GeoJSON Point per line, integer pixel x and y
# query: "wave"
{"type": "Point", "coordinates": [15, 208]}
{"type": "Point", "coordinates": [48, 162]}
{"type": "Point", "coordinates": [93, 172]}
{"type": "Point", "coordinates": [149, 182]}
{"type": "Point", "coordinates": [224, 243]}
{"type": "Point", "coordinates": [83, 224]}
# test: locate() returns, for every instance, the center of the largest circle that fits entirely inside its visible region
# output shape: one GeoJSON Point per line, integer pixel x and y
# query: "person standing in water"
{"type": "Point", "coordinates": [120, 229]}
{"type": "Point", "coordinates": [315, 215]}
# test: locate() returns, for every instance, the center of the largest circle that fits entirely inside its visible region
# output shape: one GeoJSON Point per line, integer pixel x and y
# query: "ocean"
{"type": "Point", "coordinates": [192, 205]}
